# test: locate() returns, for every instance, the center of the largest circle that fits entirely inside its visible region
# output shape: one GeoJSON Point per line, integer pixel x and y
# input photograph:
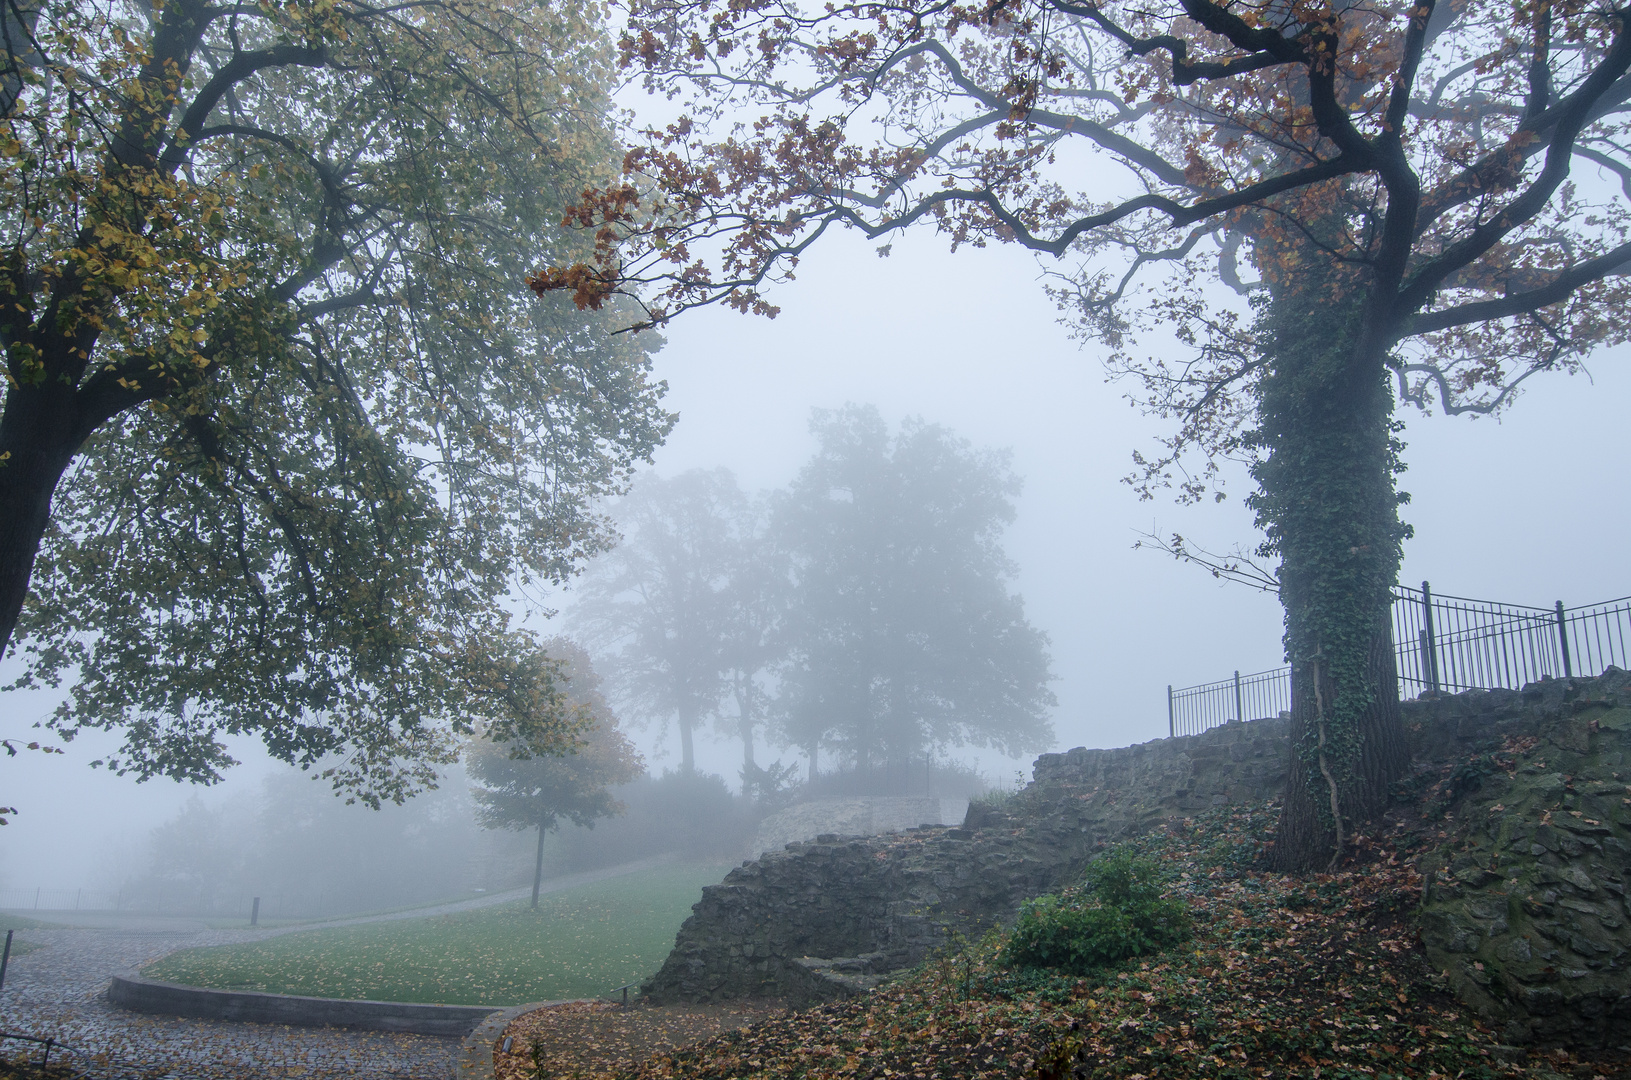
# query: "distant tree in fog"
{"type": "Point", "coordinates": [900, 631]}
{"type": "Point", "coordinates": [515, 788]}
{"type": "Point", "coordinates": [681, 610]}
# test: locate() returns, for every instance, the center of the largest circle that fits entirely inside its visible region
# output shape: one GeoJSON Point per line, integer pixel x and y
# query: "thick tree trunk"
{"type": "Point", "coordinates": [37, 441]}
{"type": "Point", "coordinates": [1329, 504]}
{"type": "Point", "coordinates": [1304, 839]}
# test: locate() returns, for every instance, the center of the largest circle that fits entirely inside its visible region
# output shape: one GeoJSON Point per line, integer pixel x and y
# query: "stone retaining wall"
{"type": "Point", "coordinates": [1525, 907]}
{"type": "Point", "coordinates": [831, 916]}
{"type": "Point", "coordinates": [860, 815]}
{"type": "Point", "coordinates": [132, 991]}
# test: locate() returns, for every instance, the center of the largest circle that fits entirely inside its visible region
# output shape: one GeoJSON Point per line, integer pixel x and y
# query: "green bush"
{"type": "Point", "coordinates": [1117, 913]}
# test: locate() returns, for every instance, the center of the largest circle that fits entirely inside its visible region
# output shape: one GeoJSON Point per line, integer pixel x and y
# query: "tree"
{"type": "Point", "coordinates": [669, 606]}
{"type": "Point", "coordinates": [900, 630]}
{"type": "Point", "coordinates": [1387, 187]}
{"type": "Point", "coordinates": [517, 788]}
{"type": "Point", "coordinates": [282, 429]}
{"type": "Point", "coordinates": [754, 600]}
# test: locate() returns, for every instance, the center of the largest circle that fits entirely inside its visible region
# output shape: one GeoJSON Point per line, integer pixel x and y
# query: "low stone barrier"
{"type": "Point", "coordinates": [131, 991]}
{"type": "Point", "coordinates": [476, 1055]}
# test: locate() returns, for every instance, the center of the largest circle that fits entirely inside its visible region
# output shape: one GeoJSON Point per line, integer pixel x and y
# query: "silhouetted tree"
{"type": "Point", "coordinates": [900, 631]}
{"type": "Point", "coordinates": [675, 608]}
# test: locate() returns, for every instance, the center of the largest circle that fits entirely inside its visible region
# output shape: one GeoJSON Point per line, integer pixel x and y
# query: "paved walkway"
{"type": "Point", "coordinates": [58, 990]}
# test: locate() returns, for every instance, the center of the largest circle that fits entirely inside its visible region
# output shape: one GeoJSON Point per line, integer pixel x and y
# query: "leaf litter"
{"type": "Point", "coordinates": [1320, 976]}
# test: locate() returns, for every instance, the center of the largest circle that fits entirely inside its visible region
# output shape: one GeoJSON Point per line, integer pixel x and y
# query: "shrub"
{"type": "Point", "coordinates": [1117, 913]}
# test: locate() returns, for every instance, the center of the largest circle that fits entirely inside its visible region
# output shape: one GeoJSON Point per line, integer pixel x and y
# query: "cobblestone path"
{"type": "Point", "coordinates": [58, 989]}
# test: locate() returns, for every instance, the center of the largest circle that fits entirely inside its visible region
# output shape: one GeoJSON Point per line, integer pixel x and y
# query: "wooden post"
{"type": "Point", "coordinates": [255, 912]}
{"type": "Point", "coordinates": [5, 959]}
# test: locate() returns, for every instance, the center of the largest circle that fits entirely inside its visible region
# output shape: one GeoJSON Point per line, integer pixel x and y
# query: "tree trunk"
{"type": "Point", "coordinates": [1329, 506]}
{"type": "Point", "coordinates": [37, 441]}
{"type": "Point", "coordinates": [538, 864]}
{"type": "Point", "coordinates": [744, 710]}
{"type": "Point", "coordinates": [1304, 839]}
{"type": "Point", "coordinates": [688, 760]}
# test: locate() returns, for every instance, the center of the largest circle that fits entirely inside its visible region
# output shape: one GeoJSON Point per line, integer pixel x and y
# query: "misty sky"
{"type": "Point", "coordinates": [1530, 509]}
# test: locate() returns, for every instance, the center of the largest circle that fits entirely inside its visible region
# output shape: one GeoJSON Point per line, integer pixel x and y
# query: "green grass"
{"type": "Point", "coordinates": [579, 943]}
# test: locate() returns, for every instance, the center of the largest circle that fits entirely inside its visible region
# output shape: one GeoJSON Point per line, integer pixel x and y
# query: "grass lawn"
{"type": "Point", "coordinates": [579, 943]}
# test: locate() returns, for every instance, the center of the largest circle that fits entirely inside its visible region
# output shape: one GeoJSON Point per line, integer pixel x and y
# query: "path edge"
{"type": "Point", "coordinates": [475, 1061]}
{"type": "Point", "coordinates": [130, 990]}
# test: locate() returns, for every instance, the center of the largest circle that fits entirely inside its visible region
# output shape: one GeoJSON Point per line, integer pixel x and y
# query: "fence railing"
{"type": "Point", "coordinates": [204, 902]}
{"type": "Point", "coordinates": [1440, 644]}
{"type": "Point", "coordinates": [1193, 709]}
{"type": "Point", "coordinates": [42, 899]}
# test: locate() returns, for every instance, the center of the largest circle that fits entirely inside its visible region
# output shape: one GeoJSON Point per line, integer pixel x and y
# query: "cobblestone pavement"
{"type": "Point", "coordinates": [58, 989]}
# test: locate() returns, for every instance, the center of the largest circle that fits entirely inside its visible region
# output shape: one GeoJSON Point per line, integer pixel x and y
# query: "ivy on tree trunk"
{"type": "Point", "coordinates": [1329, 506]}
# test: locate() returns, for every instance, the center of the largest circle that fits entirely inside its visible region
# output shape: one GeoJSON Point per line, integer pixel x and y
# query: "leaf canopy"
{"type": "Point", "coordinates": [263, 278]}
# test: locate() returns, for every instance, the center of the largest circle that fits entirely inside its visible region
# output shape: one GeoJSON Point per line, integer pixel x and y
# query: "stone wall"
{"type": "Point", "coordinates": [832, 915]}
{"type": "Point", "coordinates": [861, 815]}
{"type": "Point", "coordinates": [1525, 903]}
{"type": "Point", "coordinates": [1525, 906]}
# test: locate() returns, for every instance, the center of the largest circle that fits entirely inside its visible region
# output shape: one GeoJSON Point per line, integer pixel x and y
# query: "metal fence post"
{"type": "Point", "coordinates": [1240, 714]}
{"type": "Point", "coordinates": [1429, 642]}
{"type": "Point", "coordinates": [5, 959]}
{"type": "Point", "coordinates": [1563, 640]}
{"type": "Point", "coordinates": [1172, 728]}
{"type": "Point", "coordinates": [255, 913]}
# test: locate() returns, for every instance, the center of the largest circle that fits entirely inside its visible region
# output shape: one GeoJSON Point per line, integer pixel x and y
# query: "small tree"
{"type": "Point", "coordinates": [517, 787]}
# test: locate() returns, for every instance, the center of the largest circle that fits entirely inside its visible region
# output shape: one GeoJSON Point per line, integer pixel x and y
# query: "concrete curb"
{"type": "Point", "coordinates": [476, 1055]}
{"type": "Point", "coordinates": [131, 991]}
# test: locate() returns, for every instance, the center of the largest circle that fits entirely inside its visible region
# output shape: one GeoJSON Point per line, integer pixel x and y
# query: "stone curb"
{"type": "Point", "coordinates": [476, 1055]}
{"type": "Point", "coordinates": [131, 991]}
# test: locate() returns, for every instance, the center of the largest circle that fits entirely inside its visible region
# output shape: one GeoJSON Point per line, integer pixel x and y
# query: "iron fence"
{"type": "Point", "coordinates": [42, 899]}
{"type": "Point", "coordinates": [1193, 709]}
{"type": "Point", "coordinates": [196, 901]}
{"type": "Point", "coordinates": [1441, 644]}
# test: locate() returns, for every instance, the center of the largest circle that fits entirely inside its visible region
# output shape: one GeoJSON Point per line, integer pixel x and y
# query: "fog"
{"type": "Point", "coordinates": [1528, 509]}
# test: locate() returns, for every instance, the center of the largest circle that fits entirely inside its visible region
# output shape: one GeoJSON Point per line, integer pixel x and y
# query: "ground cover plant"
{"type": "Point", "coordinates": [1284, 976]}
{"type": "Point", "coordinates": [1118, 912]}
{"type": "Point", "coordinates": [580, 942]}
